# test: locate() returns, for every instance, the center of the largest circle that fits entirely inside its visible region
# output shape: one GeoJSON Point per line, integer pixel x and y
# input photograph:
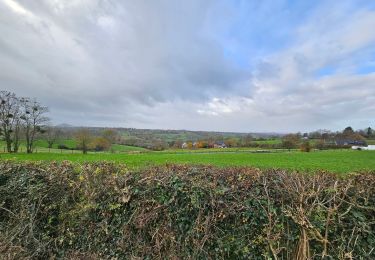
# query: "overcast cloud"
{"type": "Point", "coordinates": [201, 65]}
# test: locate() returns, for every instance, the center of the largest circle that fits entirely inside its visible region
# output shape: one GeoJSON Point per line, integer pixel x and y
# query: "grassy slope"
{"type": "Point", "coordinates": [334, 161]}
{"type": "Point", "coordinates": [269, 141]}
{"type": "Point", "coordinates": [67, 142]}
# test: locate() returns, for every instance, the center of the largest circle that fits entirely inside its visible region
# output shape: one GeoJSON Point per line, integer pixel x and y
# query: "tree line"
{"type": "Point", "coordinates": [24, 120]}
{"type": "Point", "coordinates": [325, 139]}
{"type": "Point", "coordinates": [322, 139]}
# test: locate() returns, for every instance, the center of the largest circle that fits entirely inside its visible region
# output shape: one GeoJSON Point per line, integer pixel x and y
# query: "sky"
{"type": "Point", "coordinates": [223, 65]}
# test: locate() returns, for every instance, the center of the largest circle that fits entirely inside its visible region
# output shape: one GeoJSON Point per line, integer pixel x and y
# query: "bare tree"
{"type": "Point", "coordinates": [52, 134]}
{"type": "Point", "coordinates": [290, 141]}
{"type": "Point", "coordinates": [9, 120]}
{"type": "Point", "coordinates": [33, 119]}
{"type": "Point", "coordinates": [83, 138]}
{"type": "Point", "coordinates": [246, 140]}
{"type": "Point", "coordinates": [111, 135]}
{"type": "Point", "coordinates": [369, 132]}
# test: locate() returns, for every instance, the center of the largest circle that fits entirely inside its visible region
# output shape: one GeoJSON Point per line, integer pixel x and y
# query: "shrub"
{"type": "Point", "coordinates": [305, 147]}
{"type": "Point", "coordinates": [320, 144]}
{"type": "Point", "coordinates": [62, 146]}
{"type": "Point", "coordinates": [100, 144]}
{"type": "Point", "coordinates": [290, 141]}
{"type": "Point", "coordinates": [103, 211]}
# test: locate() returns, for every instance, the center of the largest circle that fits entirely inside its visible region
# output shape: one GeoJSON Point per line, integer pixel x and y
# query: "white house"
{"type": "Point", "coordinates": [366, 148]}
{"type": "Point", "coordinates": [369, 147]}
{"type": "Point", "coordinates": [220, 145]}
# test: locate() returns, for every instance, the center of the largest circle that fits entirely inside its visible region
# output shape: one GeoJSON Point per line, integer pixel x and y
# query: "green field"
{"type": "Point", "coordinates": [342, 161]}
{"type": "Point", "coordinates": [42, 146]}
{"type": "Point", "coordinates": [269, 141]}
{"type": "Point", "coordinates": [70, 143]}
{"type": "Point", "coordinates": [209, 150]}
{"type": "Point", "coordinates": [127, 148]}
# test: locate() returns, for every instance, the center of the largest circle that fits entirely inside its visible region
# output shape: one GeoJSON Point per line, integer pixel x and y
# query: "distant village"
{"type": "Point", "coordinates": [321, 139]}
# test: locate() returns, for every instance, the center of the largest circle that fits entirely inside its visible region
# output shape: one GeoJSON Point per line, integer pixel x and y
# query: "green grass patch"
{"type": "Point", "coordinates": [39, 144]}
{"type": "Point", "coordinates": [70, 143]}
{"type": "Point", "coordinates": [268, 141]}
{"type": "Point", "coordinates": [127, 148]}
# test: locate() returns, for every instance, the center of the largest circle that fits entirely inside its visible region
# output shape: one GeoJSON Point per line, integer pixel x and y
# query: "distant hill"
{"type": "Point", "coordinates": [188, 135]}
{"type": "Point", "coordinates": [172, 135]}
{"type": "Point", "coordinates": [159, 138]}
{"type": "Point", "coordinates": [65, 126]}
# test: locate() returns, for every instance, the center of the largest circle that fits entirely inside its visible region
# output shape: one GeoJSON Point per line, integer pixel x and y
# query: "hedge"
{"type": "Point", "coordinates": [103, 211]}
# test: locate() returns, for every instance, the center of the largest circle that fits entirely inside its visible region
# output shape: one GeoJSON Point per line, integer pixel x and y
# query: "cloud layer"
{"type": "Point", "coordinates": [207, 65]}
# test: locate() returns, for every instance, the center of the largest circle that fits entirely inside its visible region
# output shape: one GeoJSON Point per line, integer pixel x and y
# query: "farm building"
{"type": "Point", "coordinates": [220, 145]}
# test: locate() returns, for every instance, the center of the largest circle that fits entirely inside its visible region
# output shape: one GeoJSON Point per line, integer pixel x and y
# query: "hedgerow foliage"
{"type": "Point", "coordinates": [103, 211]}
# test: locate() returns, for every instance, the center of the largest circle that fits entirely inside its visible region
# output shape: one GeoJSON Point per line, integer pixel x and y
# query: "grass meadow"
{"type": "Point", "coordinates": [340, 161]}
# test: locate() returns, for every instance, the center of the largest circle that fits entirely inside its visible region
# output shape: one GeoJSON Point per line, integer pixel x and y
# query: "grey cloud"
{"type": "Point", "coordinates": [84, 55]}
{"type": "Point", "coordinates": [159, 64]}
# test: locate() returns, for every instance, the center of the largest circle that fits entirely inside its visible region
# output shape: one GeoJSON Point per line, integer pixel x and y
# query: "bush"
{"type": "Point", "coordinates": [305, 147]}
{"type": "Point", "coordinates": [103, 211]}
{"type": "Point", "coordinates": [100, 144]}
{"type": "Point", "coordinates": [62, 146]}
{"type": "Point", "coordinates": [320, 144]}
